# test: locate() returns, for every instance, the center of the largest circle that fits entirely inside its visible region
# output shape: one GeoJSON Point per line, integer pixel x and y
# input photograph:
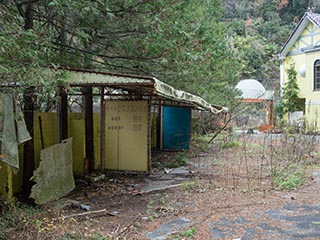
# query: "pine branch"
{"type": "Point", "coordinates": [103, 55]}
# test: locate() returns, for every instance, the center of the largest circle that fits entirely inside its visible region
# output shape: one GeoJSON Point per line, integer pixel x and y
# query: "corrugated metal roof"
{"type": "Point", "coordinates": [145, 85]}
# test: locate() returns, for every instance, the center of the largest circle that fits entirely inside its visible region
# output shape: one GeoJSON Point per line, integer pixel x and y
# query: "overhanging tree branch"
{"type": "Point", "coordinates": [103, 55]}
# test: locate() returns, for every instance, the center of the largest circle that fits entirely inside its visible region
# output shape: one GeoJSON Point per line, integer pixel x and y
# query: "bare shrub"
{"type": "Point", "coordinates": [267, 161]}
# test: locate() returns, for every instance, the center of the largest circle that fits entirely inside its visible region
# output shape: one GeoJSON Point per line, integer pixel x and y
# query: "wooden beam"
{"type": "Point", "coordinates": [158, 127]}
{"type": "Point", "coordinates": [88, 106]}
{"type": "Point", "coordinates": [63, 114]}
{"type": "Point", "coordinates": [28, 168]}
{"type": "Point", "coordinates": [102, 129]}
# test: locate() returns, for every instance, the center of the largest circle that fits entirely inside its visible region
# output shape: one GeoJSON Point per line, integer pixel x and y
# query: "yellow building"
{"type": "Point", "coordinates": [303, 50]}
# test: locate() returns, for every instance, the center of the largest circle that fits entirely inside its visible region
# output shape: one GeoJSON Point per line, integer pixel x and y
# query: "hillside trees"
{"type": "Point", "coordinates": [240, 9]}
{"type": "Point", "coordinates": [293, 9]}
{"type": "Point", "coordinates": [190, 44]}
{"type": "Point", "coordinates": [197, 40]}
{"type": "Point", "coordinates": [182, 42]}
{"type": "Point", "coordinates": [257, 38]}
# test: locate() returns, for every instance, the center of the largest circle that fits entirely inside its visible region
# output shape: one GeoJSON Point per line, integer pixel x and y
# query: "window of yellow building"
{"type": "Point", "coordinates": [317, 75]}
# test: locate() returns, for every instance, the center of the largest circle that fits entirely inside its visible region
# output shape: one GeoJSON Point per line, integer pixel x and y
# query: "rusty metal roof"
{"type": "Point", "coordinates": [137, 85]}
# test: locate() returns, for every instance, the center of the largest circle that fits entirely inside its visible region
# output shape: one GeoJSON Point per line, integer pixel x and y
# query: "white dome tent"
{"type": "Point", "coordinates": [251, 89]}
{"type": "Point", "coordinates": [257, 113]}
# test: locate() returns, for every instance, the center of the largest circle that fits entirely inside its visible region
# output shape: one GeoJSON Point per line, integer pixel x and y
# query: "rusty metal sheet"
{"type": "Point", "coordinates": [149, 85]}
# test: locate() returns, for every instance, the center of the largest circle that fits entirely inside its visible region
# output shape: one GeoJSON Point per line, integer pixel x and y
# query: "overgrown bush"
{"type": "Point", "coordinates": [200, 143]}
{"type": "Point", "coordinates": [14, 216]}
{"type": "Point", "coordinates": [289, 159]}
{"type": "Point", "coordinates": [267, 161]}
{"type": "Point", "coordinates": [208, 123]}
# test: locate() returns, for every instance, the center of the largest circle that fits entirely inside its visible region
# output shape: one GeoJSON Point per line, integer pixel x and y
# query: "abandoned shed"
{"type": "Point", "coordinates": [136, 113]}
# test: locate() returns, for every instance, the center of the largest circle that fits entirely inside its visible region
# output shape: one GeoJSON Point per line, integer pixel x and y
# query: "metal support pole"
{"type": "Point", "coordinates": [102, 129]}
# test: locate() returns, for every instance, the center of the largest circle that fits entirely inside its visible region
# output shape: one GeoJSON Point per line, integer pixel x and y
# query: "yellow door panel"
{"type": "Point", "coordinates": [111, 135]}
{"type": "Point", "coordinates": [133, 133]}
{"type": "Point", "coordinates": [126, 135]}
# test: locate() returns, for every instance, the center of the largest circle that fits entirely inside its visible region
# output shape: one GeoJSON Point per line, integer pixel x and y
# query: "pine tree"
{"type": "Point", "coordinates": [290, 91]}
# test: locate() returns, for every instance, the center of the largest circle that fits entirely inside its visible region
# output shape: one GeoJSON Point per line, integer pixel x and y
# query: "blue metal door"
{"type": "Point", "coordinates": [176, 127]}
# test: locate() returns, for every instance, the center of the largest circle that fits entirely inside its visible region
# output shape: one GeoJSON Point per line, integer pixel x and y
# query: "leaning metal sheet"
{"type": "Point", "coordinates": [126, 135]}
{"type": "Point", "coordinates": [54, 176]}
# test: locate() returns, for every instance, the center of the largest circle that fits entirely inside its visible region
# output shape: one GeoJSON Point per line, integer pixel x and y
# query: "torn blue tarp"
{"type": "Point", "coordinates": [13, 130]}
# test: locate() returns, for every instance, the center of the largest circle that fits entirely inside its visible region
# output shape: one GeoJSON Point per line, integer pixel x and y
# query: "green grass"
{"type": "Point", "coordinates": [189, 233]}
{"type": "Point", "coordinates": [179, 160]}
{"type": "Point", "coordinates": [200, 142]}
{"type": "Point", "coordinates": [289, 180]}
{"type": "Point", "coordinates": [191, 185]}
{"type": "Point", "coordinates": [230, 144]}
{"type": "Point", "coordinates": [186, 234]}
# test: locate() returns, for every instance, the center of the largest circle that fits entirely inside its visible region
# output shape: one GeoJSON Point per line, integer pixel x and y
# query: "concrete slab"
{"type": "Point", "coordinates": [168, 228]}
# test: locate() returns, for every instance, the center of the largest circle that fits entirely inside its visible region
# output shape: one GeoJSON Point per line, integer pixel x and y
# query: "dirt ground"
{"type": "Point", "coordinates": [221, 193]}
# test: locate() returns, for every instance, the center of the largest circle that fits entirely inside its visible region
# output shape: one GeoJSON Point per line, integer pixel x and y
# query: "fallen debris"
{"type": "Point", "coordinates": [88, 213]}
{"type": "Point", "coordinates": [160, 188]}
{"type": "Point", "coordinates": [95, 177]}
{"type": "Point", "coordinates": [69, 203]}
{"type": "Point", "coordinates": [136, 219]}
